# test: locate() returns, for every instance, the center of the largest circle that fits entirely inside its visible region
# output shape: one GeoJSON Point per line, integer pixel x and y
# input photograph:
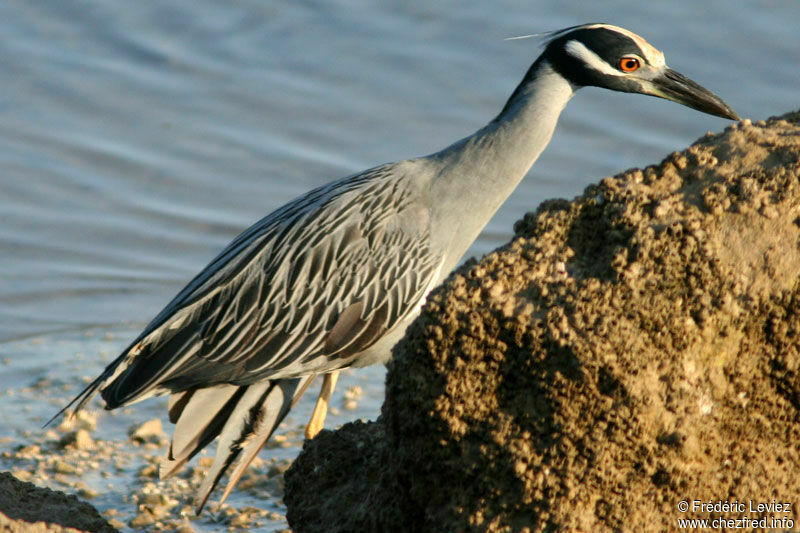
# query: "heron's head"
{"type": "Point", "coordinates": [603, 55]}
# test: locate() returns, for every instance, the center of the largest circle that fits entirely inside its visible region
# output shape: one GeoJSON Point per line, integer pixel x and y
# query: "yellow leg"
{"type": "Point", "coordinates": [317, 421]}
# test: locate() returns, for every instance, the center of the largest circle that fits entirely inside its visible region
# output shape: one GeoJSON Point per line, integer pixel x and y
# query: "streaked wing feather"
{"type": "Point", "coordinates": [267, 305]}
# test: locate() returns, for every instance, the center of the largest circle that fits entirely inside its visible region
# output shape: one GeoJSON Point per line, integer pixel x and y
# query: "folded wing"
{"type": "Point", "coordinates": [303, 291]}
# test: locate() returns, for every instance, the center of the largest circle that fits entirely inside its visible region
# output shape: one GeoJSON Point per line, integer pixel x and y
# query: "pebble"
{"type": "Point", "coordinates": [151, 471]}
{"type": "Point", "coordinates": [42, 383]}
{"type": "Point", "coordinates": [22, 475]}
{"type": "Point", "coordinates": [278, 468]}
{"type": "Point", "coordinates": [117, 524]}
{"type": "Point", "coordinates": [31, 451]}
{"type": "Point", "coordinates": [62, 467]}
{"type": "Point", "coordinates": [143, 519]}
{"type": "Point", "coordinates": [79, 440]}
{"type": "Point", "coordinates": [150, 431]}
{"type": "Point", "coordinates": [240, 520]}
{"type": "Point", "coordinates": [88, 493]}
{"type": "Point", "coordinates": [153, 498]}
{"type": "Point", "coordinates": [351, 397]}
{"type": "Point", "coordinates": [80, 420]}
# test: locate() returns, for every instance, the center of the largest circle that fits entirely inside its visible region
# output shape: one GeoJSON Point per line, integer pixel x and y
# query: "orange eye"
{"type": "Point", "coordinates": [629, 64]}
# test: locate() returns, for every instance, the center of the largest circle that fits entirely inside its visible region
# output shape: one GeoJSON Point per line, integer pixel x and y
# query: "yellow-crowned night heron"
{"type": "Point", "coordinates": [333, 278]}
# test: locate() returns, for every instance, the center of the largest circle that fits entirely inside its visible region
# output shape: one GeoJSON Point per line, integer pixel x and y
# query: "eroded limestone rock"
{"type": "Point", "coordinates": [630, 349]}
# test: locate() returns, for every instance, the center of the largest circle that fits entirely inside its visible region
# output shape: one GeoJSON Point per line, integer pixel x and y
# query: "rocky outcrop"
{"type": "Point", "coordinates": [24, 507]}
{"type": "Point", "coordinates": [627, 351]}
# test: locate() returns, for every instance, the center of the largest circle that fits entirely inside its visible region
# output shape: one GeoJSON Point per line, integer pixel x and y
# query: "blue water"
{"type": "Point", "coordinates": [137, 138]}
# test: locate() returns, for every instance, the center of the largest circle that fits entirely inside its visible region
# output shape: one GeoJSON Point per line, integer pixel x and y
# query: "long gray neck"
{"type": "Point", "coordinates": [479, 172]}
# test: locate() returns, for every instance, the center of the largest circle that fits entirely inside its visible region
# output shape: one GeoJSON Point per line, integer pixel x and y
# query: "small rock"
{"type": "Point", "coordinates": [42, 383]}
{"type": "Point", "coordinates": [31, 451]}
{"type": "Point", "coordinates": [143, 519]}
{"type": "Point", "coordinates": [278, 468]}
{"type": "Point", "coordinates": [63, 467]}
{"type": "Point", "coordinates": [351, 397]}
{"type": "Point", "coordinates": [150, 431]}
{"type": "Point", "coordinates": [80, 420]}
{"type": "Point", "coordinates": [186, 510]}
{"type": "Point", "coordinates": [88, 493]}
{"type": "Point", "coordinates": [22, 475]}
{"type": "Point", "coordinates": [79, 440]}
{"type": "Point", "coordinates": [153, 498]}
{"type": "Point", "coordinates": [241, 520]}
{"type": "Point", "coordinates": [150, 471]}
{"type": "Point", "coordinates": [117, 524]}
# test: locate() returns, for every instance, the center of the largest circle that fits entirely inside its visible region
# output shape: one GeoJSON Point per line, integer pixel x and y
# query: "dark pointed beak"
{"type": "Point", "coordinates": [678, 88]}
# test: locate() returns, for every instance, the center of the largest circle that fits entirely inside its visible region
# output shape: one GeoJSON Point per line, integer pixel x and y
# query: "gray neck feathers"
{"type": "Point", "coordinates": [477, 174]}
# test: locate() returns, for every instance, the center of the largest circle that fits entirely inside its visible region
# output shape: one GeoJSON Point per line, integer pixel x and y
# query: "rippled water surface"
{"type": "Point", "coordinates": [138, 138]}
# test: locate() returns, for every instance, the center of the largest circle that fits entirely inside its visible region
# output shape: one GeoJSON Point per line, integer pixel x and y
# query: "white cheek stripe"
{"type": "Point", "coordinates": [579, 50]}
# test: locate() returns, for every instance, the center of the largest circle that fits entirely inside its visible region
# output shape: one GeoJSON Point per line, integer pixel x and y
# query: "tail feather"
{"type": "Point", "coordinates": [177, 403]}
{"type": "Point", "coordinates": [235, 430]}
{"type": "Point", "coordinates": [262, 431]}
{"type": "Point", "coordinates": [203, 413]}
{"type": "Point", "coordinates": [206, 412]}
{"type": "Point", "coordinates": [252, 421]}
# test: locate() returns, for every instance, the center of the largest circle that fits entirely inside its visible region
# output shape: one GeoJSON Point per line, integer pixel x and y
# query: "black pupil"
{"type": "Point", "coordinates": [630, 63]}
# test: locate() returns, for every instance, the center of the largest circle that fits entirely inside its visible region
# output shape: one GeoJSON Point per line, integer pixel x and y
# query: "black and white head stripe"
{"type": "Point", "coordinates": [589, 54]}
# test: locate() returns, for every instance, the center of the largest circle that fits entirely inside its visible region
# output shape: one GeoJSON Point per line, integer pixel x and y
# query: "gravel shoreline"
{"type": "Point", "coordinates": [110, 459]}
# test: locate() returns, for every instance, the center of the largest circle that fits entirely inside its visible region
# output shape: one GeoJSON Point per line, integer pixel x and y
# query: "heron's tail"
{"type": "Point", "coordinates": [243, 416]}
